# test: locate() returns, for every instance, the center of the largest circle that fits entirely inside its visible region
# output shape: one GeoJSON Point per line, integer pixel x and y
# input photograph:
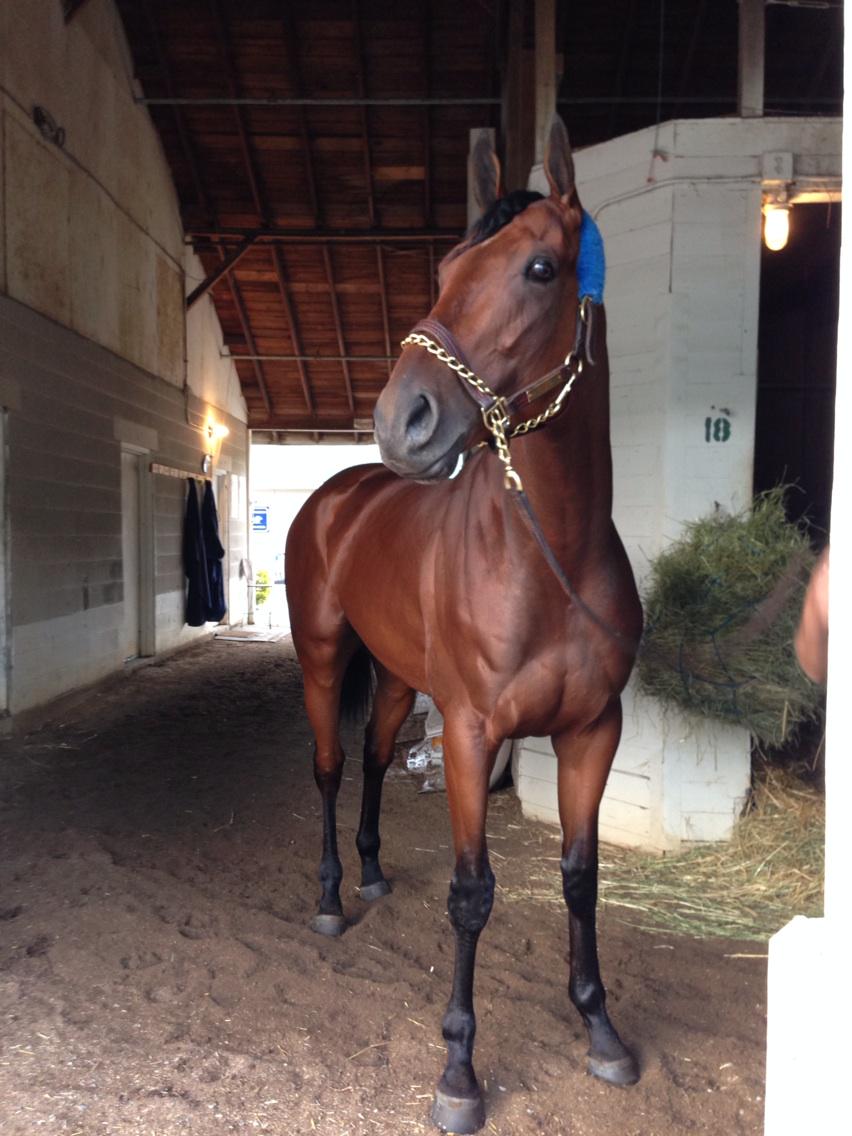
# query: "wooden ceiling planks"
{"type": "Point", "coordinates": [384, 170]}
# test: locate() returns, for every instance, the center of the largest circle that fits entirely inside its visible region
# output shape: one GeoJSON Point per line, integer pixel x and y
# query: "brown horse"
{"type": "Point", "coordinates": [518, 624]}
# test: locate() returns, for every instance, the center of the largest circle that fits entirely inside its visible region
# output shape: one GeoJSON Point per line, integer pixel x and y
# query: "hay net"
{"type": "Point", "coordinates": [721, 609]}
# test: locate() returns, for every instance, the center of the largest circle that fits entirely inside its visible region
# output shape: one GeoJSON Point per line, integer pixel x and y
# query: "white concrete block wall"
{"type": "Point", "coordinates": [69, 405]}
{"type": "Point", "coordinates": [682, 235]}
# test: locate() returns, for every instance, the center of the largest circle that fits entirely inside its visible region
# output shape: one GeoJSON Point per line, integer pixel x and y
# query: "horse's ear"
{"type": "Point", "coordinates": [558, 161]}
{"type": "Point", "coordinates": [485, 171]}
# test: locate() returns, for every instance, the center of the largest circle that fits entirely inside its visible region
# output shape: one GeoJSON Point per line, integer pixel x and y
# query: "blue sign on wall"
{"type": "Point", "coordinates": [260, 518]}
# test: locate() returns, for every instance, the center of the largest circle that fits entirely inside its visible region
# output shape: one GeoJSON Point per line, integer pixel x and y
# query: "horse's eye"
{"type": "Point", "coordinates": [541, 270]}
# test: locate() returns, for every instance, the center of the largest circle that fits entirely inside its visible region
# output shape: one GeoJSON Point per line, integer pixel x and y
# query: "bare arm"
{"type": "Point", "coordinates": [811, 641]}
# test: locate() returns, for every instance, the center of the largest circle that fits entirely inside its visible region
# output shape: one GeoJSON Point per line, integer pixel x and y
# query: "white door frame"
{"type": "Point", "coordinates": [147, 616]}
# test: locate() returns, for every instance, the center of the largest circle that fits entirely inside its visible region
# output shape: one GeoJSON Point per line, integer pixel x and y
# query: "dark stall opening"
{"type": "Point", "coordinates": [797, 359]}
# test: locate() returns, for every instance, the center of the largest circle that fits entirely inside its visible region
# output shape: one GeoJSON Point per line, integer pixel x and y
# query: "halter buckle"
{"type": "Point", "coordinates": [496, 416]}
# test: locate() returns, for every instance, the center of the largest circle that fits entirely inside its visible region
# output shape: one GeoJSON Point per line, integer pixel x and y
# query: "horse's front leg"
{"type": "Point", "coordinates": [584, 762]}
{"type": "Point", "coordinates": [458, 1103]}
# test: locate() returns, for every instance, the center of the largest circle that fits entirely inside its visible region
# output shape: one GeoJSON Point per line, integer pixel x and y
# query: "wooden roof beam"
{"type": "Point", "coordinates": [338, 327]}
{"type": "Point", "coordinates": [232, 79]}
{"type": "Point", "coordinates": [311, 101]}
{"type": "Point", "coordinates": [305, 425]}
{"type": "Point", "coordinates": [213, 278]}
{"type": "Point", "coordinates": [330, 236]}
{"type": "Point", "coordinates": [180, 122]}
{"type": "Point", "coordinates": [365, 125]}
{"type": "Point", "coordinates": [298, 354]}
{"type": "Point", "coordinates": [427, 115]}
{"type": "Point", "coordinates": [291, 357]}
{"type": "Point", "coordinates": [294, 64]}
{"type": "Point", "coordinates": [380, 265]}
{"type": "Point", "coordinates": [248, 336]}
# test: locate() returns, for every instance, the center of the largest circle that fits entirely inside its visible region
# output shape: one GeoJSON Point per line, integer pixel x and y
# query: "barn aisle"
{"type": "Point", "coordinates": [158, 860]}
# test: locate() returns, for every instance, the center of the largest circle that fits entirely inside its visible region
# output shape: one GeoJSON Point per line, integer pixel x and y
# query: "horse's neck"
{"type": "Point", "coordinates": [566, 465]}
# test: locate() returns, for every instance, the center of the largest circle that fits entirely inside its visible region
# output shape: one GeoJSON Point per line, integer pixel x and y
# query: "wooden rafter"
{"type": "Point", "coordinates": [427, 115]}
{"type": "Point", "coordinates": [294, 67]}
{"type": "Point", "coordinates": [232, 79]}
{"type": "Point", "coordinates": [303, 424]}
{"type": "Point", "coordinates": [365, 123]}
{"type": "Point", "coordinates": [213, 278]}
{"type": "Point", "coordinates": [276, 234]}
{"type": "Point", "coordinates": [281, 276]}
{"type": "Point", "coordinates": [380, 265]}
{"type": "Point", "coordinates": [248, 337]}
{"type": "Point", "coordinates": [338, 327]}
{"type": "Point", "coordinates": [186, 142]}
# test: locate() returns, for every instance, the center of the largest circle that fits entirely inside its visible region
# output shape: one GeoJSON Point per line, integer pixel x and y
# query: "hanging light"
{"type": "Point", "coordinates": [216, 431]}
{"type": "Point", "coordinates": [776, 224]}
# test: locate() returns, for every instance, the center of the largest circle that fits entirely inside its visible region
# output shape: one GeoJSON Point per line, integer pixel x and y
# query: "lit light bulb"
{"type": "Point", "coordinates": [776, 226]}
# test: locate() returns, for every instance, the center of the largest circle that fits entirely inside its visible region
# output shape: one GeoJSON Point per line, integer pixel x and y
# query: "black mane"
{"type": "Point", "coordinates": [498, 215]}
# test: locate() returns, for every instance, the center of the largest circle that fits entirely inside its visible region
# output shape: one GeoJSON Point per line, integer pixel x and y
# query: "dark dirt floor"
{"type": "Point", "coordinates": [158, 864]}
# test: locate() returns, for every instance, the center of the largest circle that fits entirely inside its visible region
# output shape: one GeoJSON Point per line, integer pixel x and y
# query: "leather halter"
{"type": "Point", "coordinates": [483, 396]}
{"type": "Point", "coordinates": [496, 409]}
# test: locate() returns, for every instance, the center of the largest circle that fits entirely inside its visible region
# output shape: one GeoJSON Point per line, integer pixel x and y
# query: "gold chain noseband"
{"type": "Point", "coordinates": [495, 410]}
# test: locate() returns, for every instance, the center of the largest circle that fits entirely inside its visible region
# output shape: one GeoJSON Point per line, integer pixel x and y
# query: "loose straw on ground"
{"type": "Point", "coordinates": [748, 888]}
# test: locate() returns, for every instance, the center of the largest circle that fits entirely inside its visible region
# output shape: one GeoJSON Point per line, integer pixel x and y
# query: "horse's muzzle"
{"type": "Point", "coordinates": [415, 438]}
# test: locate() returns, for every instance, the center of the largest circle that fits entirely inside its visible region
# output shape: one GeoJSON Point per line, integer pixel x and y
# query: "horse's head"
{"type": "Point", "coordinates": [508, 296]}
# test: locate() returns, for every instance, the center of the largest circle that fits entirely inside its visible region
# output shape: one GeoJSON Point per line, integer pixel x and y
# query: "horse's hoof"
{"type": "Point", "coordinates": [622, 1071]}
{"type": "Point", "coordinates": [374, 891]}
{"type": "Point", "coordinates": [332, 925]}
{"type": "Point", "coordinates": [458, 1114]}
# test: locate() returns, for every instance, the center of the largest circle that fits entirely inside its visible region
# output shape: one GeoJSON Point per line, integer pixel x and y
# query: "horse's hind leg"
{"type": "Point", "coordinates": [323, 672]}
{"type": "Point", "coordinates": [584, 762]}
{"type": "Point", "coordinates": [391, 706]}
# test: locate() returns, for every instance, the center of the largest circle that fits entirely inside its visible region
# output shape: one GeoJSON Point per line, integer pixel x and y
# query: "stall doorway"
{"type": "Point", "coordinates": [797, 361]}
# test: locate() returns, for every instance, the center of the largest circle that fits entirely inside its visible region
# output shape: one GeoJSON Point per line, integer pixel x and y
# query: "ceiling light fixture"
{"type": "Point", "coordinates": [776, 221]}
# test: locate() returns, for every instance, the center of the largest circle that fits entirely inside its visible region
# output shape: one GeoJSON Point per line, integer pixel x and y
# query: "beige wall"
{"type": "Point", "coordinates": [92, 233]}
{"type": "Point", "coordinates": [96, 356]}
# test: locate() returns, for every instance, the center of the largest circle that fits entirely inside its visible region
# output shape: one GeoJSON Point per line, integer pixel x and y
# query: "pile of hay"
{"type": "Point", "coordinates": [771, 870]}
{"type": "Point", "coordinates": [747, 888]}
{"type": "Point", "coordinates": [721, 608]}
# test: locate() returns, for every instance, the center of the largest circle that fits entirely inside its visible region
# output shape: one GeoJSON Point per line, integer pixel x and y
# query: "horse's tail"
{"type": "Point", "coordinates": [359, 682]}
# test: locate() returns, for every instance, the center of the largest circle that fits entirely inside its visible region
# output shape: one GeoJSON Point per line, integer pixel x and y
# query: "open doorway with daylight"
{"type": "Point", "coordinates": [797, 360]}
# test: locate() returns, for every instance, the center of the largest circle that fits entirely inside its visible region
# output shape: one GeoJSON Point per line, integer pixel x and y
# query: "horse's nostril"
{"type": "Point", "coordinates": [421, 421]}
